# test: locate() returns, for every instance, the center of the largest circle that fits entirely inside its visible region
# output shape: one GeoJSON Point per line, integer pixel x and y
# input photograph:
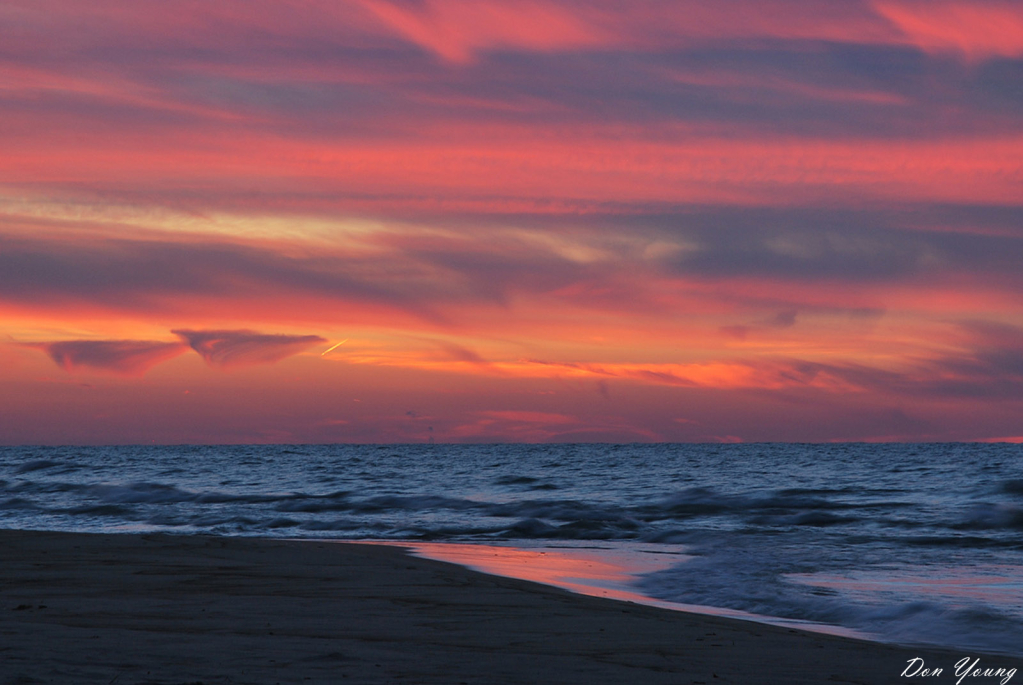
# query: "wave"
{"type": "Point", "coordinates": [988, 516]}
{"type": "Point", "coordinates": [897, 605]}
{"type": "Point", "coordinates": [36, 465]}
{"type": "Point", "coordinates": [1012, 486]}
{"type": "Point", "coordinates": [540, 516]}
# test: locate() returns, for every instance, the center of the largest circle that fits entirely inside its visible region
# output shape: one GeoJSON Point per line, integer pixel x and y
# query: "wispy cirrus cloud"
{"type": "Point", "coordinates": [229, 349]}
{"type": "Point", "coordinates": [733, 271]}
{"type": "Point", "coordinates": [417, 262]}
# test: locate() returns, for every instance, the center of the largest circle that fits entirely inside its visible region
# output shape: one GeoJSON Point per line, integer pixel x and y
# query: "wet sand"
{"type": "Point", "coordinates": [128, 609]}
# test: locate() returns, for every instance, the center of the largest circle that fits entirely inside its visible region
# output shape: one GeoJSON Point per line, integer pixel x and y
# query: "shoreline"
{"type": "Point", "coordinates": [169, 609]}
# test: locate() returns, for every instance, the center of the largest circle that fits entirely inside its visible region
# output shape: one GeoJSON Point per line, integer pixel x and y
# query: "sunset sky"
{"type": "Point", "coordinates": [523, 220]}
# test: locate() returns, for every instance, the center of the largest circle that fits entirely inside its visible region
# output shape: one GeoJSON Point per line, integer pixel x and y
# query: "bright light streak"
{"type": "Point", "coordinates": [334, 347]}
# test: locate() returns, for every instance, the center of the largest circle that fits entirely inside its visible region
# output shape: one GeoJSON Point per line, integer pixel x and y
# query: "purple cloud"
{"type": "Point", "coordinates": [461, 354]}
{"type": "Point", "coordinates": [129, 357]}
{"type": "Point", "coordinates": [242, 348]}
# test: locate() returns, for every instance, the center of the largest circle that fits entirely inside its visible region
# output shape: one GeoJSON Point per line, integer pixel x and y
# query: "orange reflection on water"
{"type": "Point", "coordinates": [595, 571]}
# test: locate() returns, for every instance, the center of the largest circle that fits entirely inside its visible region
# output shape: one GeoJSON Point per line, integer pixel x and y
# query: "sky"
{"type": "Point", "coordinates": [381, 221]}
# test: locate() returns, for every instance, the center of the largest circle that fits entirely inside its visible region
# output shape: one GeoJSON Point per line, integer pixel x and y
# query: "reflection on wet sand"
{"type": "Point", "coordinates": [600, 571]}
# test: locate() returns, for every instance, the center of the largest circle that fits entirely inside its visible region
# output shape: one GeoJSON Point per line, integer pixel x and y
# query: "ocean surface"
{"type": "Point", "coordinates": [901, 543]}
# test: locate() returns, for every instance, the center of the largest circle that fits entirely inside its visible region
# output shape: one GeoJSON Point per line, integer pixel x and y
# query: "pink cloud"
{"type": "Point", "coordinates": [977, 29]}
{"type": "Point", "coordinates": [455, 29]}
{"type": "Point", "coordinates": [531, 417]}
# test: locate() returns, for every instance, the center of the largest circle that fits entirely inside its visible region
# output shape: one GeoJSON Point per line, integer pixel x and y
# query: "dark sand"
{"type": "Point", "coordinates": [127, 609]}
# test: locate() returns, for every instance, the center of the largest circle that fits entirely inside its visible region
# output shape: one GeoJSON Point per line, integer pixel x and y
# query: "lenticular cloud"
{"type": "Point", "coordinates": [135, 357]}
{"type": "Point", "coordinates": [129, 357]}
{"type": "Point", "coordinates": [242, 348]}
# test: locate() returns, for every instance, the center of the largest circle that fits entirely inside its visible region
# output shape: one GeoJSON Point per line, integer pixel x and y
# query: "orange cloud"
{"type": "Point", "coordinates": [978, 360]}
{"type": "Point", "coordinates": [723, 374]}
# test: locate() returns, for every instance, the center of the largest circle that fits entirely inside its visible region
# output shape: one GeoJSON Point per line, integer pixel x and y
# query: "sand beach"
{"type": "Point", "coordinates": [140, 608]}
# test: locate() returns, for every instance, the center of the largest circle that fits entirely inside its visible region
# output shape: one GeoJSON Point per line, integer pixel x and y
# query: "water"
{"type": "Point", "coordinates": [904, 543]}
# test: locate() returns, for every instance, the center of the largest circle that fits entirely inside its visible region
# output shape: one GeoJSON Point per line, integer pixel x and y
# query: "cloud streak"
{"type": "Point", "coordinates": [986, 365]}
